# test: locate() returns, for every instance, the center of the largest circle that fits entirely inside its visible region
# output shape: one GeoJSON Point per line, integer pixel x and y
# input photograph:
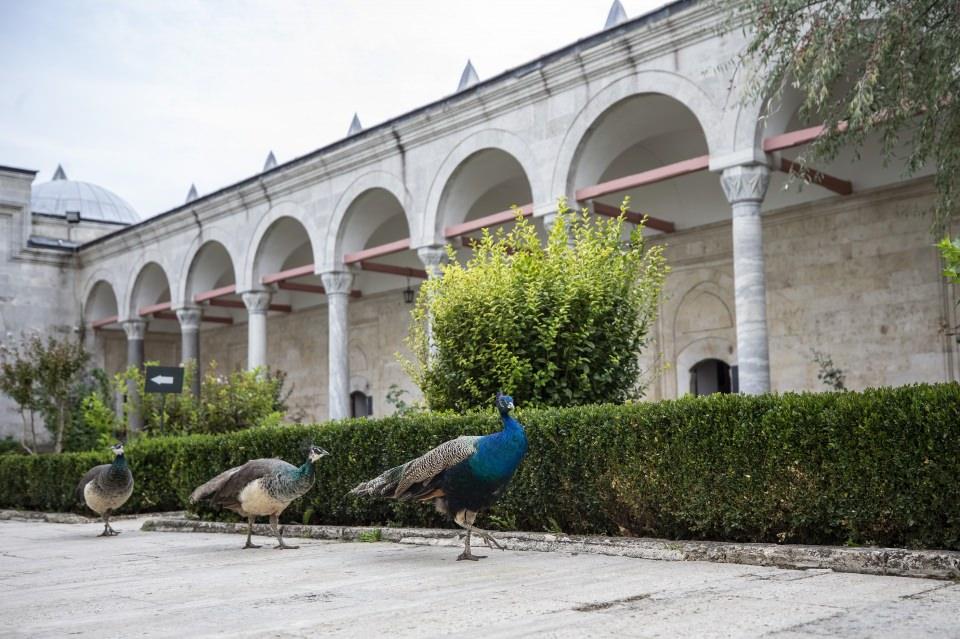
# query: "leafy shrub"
{"type": "Point", "coordinates": [227, 403]}
{"type": "Point", "coordinates": [878, 467]}
{"type": "Point", "coordinates": [554, 325]}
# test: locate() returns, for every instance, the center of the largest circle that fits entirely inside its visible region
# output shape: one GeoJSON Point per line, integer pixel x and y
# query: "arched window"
{"type": "Point", "coordinates": [361, 404]}
{"type": "Point", "coordinates": [710, 376]}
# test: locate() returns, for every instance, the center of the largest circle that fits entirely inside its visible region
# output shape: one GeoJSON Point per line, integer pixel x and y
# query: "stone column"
{"type": "Point", "coordinates": [257, 303]}
{"type": "Point", "coordinates": [189, 318]}
{"type": "Point", "coordinates": [745, 187]}
{"type": "Point", "coordinates": [337, 284]}
{"type": "Point", "coordinates": [432, 257]}
{"type": "Point", "coordinates": [135, 329]}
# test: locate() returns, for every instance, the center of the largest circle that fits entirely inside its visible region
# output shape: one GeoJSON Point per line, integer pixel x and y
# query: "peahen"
{"type": "Point", "coordinates": [260, 488]}
{"type": "Point", "coordinates": [461, 476]}
{"type": "Point", "coordinates": [107, 487]}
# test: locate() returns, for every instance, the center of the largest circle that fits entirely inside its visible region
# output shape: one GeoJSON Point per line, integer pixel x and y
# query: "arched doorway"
{"type": "Point", "coordinates": [709, 376]}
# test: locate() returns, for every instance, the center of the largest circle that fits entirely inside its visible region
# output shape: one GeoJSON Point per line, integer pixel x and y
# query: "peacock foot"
{"type": "Point", "coordinates": [469, 556]}
{"type": "Point", "coordinates": [284, 546]}
{"type": "Point", "coordinates": [250, 545]}
{"type": "Point", "coordinates": [491, 542]}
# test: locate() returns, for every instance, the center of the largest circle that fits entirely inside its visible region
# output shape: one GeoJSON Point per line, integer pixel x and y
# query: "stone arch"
{"type": "Point", "coordinates": [670, 84]}
{"type": "Point", "coordinates": [209, 235]}
{"type": "Point", "coordinates": [704, 348]}
{"type": "Point", "coordinates": [365, 184]}
{"type": "Point", "coordinates": [92, 280]}
{"type": "Point", "coordinates": [129, 303]}
{"type": "Point", "coordinates": [100, 301]}
{"type": "Point", "coordinates": [430, 232]}
{"type": "Point", "coordinates": [701, 309]}
{"type": "Point", "coordinates": [246, 276]}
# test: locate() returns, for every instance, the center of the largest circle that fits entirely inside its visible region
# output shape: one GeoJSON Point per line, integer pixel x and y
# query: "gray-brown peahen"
{"type": "Point", "coordinates": [261, 488]}
{"type": "Point", "coordinates": [461, 476]}
{"type": "Point", "coordinates": [107, 487]}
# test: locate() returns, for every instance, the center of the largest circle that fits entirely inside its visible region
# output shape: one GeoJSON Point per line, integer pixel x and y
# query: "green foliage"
{"type": "Point", "coordinates": [950, 252]}
{"type": "Point", "coordinates": [227, 403]}
{"type": "Point", "coordinates": [371, 536]}
{"type": "Point", "coordinates": [401, 408]}
{"type": "Point", "coordinates": [554, 325]}
{"type": "Point", "coordinates": [865, 67]}
{"type": "Point", "coordinates": [878, 467]}
{"type": "Point", "coordinates": [43, 376]}
{"type": "Point", "coordinates": [9, 446]}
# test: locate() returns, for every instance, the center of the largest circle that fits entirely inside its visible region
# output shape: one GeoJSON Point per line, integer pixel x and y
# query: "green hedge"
{"type": "Point", "coordinates": [878, 467]}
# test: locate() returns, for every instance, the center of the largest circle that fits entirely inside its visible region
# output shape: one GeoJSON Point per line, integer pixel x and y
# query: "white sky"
{"type": "Point", "coordinates": [146, 97]}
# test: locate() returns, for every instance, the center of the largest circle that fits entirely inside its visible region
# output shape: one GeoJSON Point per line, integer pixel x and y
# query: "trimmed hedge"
{"type": "Point", "coordinates": [880, 467]}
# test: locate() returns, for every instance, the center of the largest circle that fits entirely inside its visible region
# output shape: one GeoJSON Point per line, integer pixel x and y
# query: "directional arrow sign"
{"type": "Point", "coordinates": [164, 379]}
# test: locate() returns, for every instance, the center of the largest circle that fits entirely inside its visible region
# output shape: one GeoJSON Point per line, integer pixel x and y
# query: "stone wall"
{"type": "Point", "coordinates": [855, 277]}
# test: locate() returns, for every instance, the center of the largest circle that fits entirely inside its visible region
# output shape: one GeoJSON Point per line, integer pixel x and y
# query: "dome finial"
{"type": "Point", "coordinates": [271, 161]}
{"type": "Point", "coordinates": [355, 126]}
{"type": "Point", "coordinates": [616, 16]}
{"type": "Point", "coordinates": [468, 78]}
{"type": "Point", "coordinates": [192, 194]}
{"type": "Point", "coordinates": [59, 174]}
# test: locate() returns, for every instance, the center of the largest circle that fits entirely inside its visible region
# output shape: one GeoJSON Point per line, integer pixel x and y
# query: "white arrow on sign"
{"type": "Point", "coordinates": [161, 379]}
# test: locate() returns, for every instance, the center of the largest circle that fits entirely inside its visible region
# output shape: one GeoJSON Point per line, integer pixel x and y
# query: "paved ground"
{"type": "Point", "coordinates": [61, 580]}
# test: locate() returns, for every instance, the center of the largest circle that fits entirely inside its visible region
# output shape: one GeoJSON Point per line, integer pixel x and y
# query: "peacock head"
{"type": "Point", "coordinates": [117, 449]}
{"type": "Point", "coordinates": [316, 453]}
{"type": "Point", "coordinates": [504, 403]}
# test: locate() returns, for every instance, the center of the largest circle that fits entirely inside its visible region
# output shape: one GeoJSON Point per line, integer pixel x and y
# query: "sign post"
{"type": "Point", "coordinates": [163, 380]}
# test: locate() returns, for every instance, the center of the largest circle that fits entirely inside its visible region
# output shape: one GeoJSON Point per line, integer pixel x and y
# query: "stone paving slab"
{"type": "Point", "coordinates": [934, 564]}
{"type": "Point", "coordinates": [61, 580]}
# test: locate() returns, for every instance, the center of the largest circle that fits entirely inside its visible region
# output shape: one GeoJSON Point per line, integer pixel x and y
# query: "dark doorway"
{"type": "Point", "coordinates": [361, 404]}
{"type": "Point", "coordinates": [710, 376]}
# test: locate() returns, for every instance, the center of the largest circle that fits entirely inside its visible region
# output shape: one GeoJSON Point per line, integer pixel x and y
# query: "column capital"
{"type": "Point", "coordinates": [337, 282]}
{"type": "Point", "coordinates": [257, 301]}
{"type": "Point", "coordinates": [745, 183]}
{"type": "Point", "coordinates": [189, 318]}
{"type": "Point", "coordinates": [135, 328]}
{"type": "Point", "coordinates": [432, 257]}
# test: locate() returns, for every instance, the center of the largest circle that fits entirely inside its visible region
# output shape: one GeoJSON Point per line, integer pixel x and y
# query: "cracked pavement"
{"type": "Point", "coordinates": [62, 580]}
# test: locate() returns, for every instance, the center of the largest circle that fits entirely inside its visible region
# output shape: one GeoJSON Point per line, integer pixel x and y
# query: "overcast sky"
{"type": "Point", "coordinates": [146, 97]}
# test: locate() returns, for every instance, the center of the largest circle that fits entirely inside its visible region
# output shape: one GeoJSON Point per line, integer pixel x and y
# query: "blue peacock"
{"type": "Point", "coordinates": [461, 476]}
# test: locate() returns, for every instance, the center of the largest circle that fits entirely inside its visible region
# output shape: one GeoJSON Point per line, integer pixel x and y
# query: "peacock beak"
{"type": "Point", "coordinates": [510, 405]}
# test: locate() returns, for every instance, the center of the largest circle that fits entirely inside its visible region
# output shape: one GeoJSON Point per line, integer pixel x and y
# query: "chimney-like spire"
{"type": "Point", "coordinates": [59, 174]}
{"type": "Point", "coordinates": [192, 194]}
{"type": "Point", "coordinates": [616, 15]}
{"type": "Point", "coordinates": [271, 161]}
{"type": "Point", "coordinates": [468, 78]}
{"type": "Point", "coordinates": [355, 126]}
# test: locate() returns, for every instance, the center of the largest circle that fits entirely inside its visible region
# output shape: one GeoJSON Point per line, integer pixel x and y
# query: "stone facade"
{"type": "Point", "coordinates": [325, 244]}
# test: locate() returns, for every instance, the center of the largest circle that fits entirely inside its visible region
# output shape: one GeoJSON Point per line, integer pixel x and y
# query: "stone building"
{"type": "Point", "coordinates": [303, 266]}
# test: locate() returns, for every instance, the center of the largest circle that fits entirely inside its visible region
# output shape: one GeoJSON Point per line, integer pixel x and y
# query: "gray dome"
{"type": "Point", "coordinates": [95, 203]}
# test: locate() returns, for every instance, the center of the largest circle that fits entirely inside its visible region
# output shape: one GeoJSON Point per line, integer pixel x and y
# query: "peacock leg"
{"type": "Point", "coordinates": [250, 544]}
{"type": "Point", "coordinates": [274, 521]}
{"type": "Point", "coordinates": [465, 519]}
{"type": "Point", "coordinates": [108, 530]}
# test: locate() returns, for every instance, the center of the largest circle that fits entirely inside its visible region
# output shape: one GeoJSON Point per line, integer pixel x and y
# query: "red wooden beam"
{"type": "Point", "coordinates": [652, 176]}
{"type": "Point", "coordinates": [394, 270]}
{"type": "Point", "coordinates": [496, 219]}
{"type": "Point", "coordinates": [283, 308]}
{"type": "Point", "coordinates": [302, 288]}
{"type": "Point", "coordinates": [652, 222]}
{"type": "Point", "coordinates": [106, 321]}
{"type": "Point", "coordinates": [289, 274]}
{"type": "Point", "coordinates": [215, 293]}
{"type": "Point", "coordinates": [835, 184]}
{"type": "Point", "coordinates": [167, 315]}
{"type": "Point", "coordinates": [310, 288]}
{"type": "Point", "coordinates": [799, 137]}
{"type": "Point", "coordinates": [153, 309]}
{"type": "Point", "coordinates": [377, 251]}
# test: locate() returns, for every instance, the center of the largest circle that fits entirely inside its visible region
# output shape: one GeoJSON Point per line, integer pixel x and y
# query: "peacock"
{"type": "Point", "coordinates": [260, 488]}
{"type": "Point", "coordinates": [107, 487]}
{"type": "Point", "coordinates": [461, 476]}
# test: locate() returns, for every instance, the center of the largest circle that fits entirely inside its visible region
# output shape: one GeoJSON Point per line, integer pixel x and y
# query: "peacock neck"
{"type": "Point", "coordinates": [510, 425]}
{"type": "Point", "coordinates": [118, 469]}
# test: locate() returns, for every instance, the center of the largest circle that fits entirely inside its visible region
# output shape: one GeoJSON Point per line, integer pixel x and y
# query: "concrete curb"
{"type": "Point", "coordinates": [72, 518]}
{"type": "Point", "coordinates": [930, 564]}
